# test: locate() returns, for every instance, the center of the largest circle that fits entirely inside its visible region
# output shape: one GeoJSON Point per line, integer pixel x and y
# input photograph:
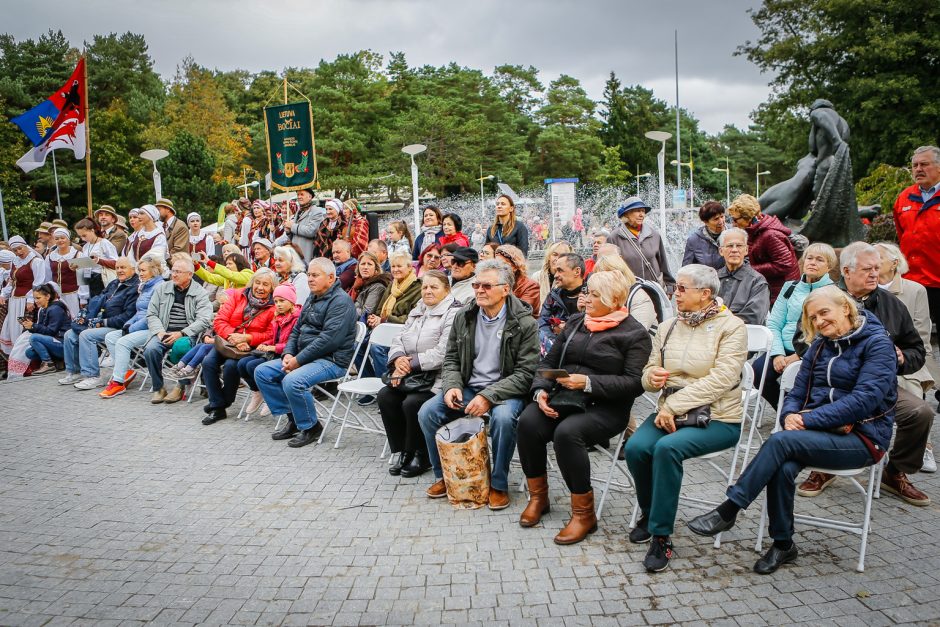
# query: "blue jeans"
{"type": "Point", "coordinates": [121, 347]}
{"type": "Point", "coordinates": [44, 348]}
{"type": "Point", "coordinates": [377, 365]}
{"type": "Point", "coordinates": [246, 370]}
{"type": "Point", "coordinates": [81, 350]}
{"type": "Point", "coordinates": [503, 419]}
{"type": "Point", "coordinates": [291, 392]}
{"type": "Point", "coordinates": [196, 354]}
{"type": "Point", "coordinates": [221, 395]}
{"type": "Point", "coordinates": [781, 459]}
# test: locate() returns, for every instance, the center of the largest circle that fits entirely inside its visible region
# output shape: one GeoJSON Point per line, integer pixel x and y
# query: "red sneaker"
{"type": "Point", "coordinates": [129, 376]}
{"type": "Point", "coordinates": [114, 389]}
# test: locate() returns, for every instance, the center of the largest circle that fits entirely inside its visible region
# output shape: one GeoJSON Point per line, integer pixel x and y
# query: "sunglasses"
{"type": "Point", "coordinates": [486, 287]}
{"type": "Point", "coordinates": [682, 289]}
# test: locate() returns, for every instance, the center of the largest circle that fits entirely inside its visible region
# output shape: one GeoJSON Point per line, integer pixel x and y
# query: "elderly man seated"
{"type": "Point", "coordinates": [860, 264]}
{"type": "Point", "coordinates": [492, 352]}
{"type": "Point", "coordinates": [179, 312]}
{"type": "Point", "coordinates": [319, 348]}
{"type": "Point", "coordinates": [743, 290]}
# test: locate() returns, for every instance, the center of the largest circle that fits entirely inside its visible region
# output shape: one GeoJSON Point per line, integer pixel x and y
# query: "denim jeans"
{"type": "Point", "coordinates": [154, 352]}
{"type": "Point", "coordinates": [377, 365]}
{"type": "Point", "coordinates": [503, 419]}
{"type": "Point", "coordinates": [81, 350]}
{"type": "Point", "coordinates": [781, 459]}
{"type": "Point", "coordinates": [196, 354]}
{"type": "Point", "coordinates": [291, 392]}
{"type": "Point", "coordinates": [221, 395]}
{"type": "Point", "coordinates": [246, 370]}
{"type": "Point", "coordinates": [121, 347]}
{"type": "Point", "coordinates": [44, 348]}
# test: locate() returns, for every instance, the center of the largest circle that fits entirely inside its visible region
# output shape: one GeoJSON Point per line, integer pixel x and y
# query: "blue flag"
{"type": "Point", "coordinates": [37, 123]}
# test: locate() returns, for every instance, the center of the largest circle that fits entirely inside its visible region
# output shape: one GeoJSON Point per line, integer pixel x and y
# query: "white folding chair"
{"type": "Point", "coordinates": [870, 491]}
{"type": "Point", "coordinates": [382, 335]}
{"type": "Point", "coordinates": [361, 331]}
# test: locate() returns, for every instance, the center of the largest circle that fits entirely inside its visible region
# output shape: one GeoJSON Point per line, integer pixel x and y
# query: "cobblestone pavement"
{"type": "Point", "coordinates": [121, 512]}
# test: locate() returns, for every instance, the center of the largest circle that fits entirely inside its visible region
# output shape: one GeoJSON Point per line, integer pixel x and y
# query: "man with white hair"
{"type": "Point", "coordinates": [917, 221]}
{"type": "Point", "coordinates": [319, 349]}
{"type": "Point", "coordinates": [743, 290]}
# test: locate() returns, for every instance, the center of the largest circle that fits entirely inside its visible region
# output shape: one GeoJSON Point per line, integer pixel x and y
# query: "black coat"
{"type": "Point", "coordinates": [518, 237]}
{"type": "Point", "coordinates": [612, 359]}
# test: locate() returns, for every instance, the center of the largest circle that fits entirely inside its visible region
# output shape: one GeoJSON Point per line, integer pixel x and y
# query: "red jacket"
{"type": "Point", "coordinates": [457, 238]}
{"type": "Point", "coordinates": [282, 328]}
{"type": "Point", "coordinates": [918, 226]}
{"type": "Point", "coordinates": [231, 314]}
{"type": "Point", "coordinates": [771, 253]}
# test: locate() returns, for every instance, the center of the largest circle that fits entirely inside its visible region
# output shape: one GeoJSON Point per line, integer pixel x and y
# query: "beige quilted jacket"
{"type": "Point", "coordinates": [706, 362]}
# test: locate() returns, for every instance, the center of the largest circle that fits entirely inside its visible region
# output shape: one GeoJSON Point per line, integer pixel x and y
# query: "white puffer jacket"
{"type": "Point", "coordinates": [705, 362]}
{"type": "Point", "coordinates": [424, 337]}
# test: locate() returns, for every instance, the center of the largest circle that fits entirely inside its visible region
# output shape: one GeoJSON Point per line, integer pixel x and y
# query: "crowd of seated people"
{"type": "Point", "coordinates": [276, 303]}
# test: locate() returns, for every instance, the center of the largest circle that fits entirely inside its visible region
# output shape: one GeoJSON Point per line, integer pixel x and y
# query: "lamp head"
{"type": "Point", "coordinates": [414, 149]}
{"type": "Point", "coordinates": [659, 136]}
{"type": "Point", "coordinates": [154, 154]}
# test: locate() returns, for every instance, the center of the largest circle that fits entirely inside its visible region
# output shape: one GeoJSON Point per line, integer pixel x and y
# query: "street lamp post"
{"type": "Point", "coordinates": [488, 177]}
{"type": "Point", "coordinates": [411, 150]}
{"type": "Point", "coordinates": [661, 136]}
{"type": "Point", "coordinates": [727, 171]}
{"type": "Point", "coordinates": [757, 178]}
{"type": "Point", "coordinates": [640, 176]}
{"type": "Point", "coordinates": [155, 155]}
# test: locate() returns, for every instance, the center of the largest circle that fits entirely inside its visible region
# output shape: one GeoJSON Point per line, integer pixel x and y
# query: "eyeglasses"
{"type": "Point", "coordinates": [682, 289]}
{"type": "Point", "coordinates": [432, 256]}
{"type": "Point", "coordinates": [486, 287]}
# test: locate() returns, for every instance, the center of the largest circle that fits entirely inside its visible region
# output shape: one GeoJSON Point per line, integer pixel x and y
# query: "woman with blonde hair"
{"type": "Point", "coordinates": [525, 288]}
{"type": "Point", "coordinates": [839, 414]}
{"type": "Point", "coordinates": [506, 227]}
{"type": "Point", "coordinates": [638, 302]}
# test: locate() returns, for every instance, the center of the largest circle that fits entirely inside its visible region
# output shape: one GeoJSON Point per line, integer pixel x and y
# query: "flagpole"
{"type": "Point", "coordinates": [87, 135]}
{"type": "Point", "coordinates": [55, 175]}
{"type": "Point", "coordinates": [3, 218]}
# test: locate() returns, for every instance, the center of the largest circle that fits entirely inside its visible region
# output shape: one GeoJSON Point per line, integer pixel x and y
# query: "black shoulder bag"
{"type": "Point", "coordinates": [563, 400]}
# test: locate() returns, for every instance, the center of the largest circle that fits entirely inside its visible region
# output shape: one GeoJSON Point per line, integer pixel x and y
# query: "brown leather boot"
{"type": "Point", "coordinates": [538, 502]}
{"type": "Point", "coordinates": [583, 521]}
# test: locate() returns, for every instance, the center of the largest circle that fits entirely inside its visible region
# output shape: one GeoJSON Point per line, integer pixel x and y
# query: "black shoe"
{"type": "Point", "coordinates": [774, 559]}
{"type": "Point", "coordinates": [365, 400]}
{"type": "Point", "coordinates": [418, 465]}
{"type": "Point", "coordinates": [710, 524]}
{"type": "Point", "coordinates": [639, 534]}
{"type": "Point", "coordinates": [657, 558]}
{"type": "Point", "coordinates": [404, 458]}
{"type": "Point", "coordinates": [208, 408]}
{"type": "Point", "coordinates": [215, 416]}
{"type": "Point", "coordinates": [287, 431]}
{"type": "Point", "coordinates": [307, 436]}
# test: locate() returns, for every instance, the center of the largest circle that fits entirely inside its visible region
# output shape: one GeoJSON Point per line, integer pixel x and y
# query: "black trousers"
{"type": "Point", "coordinates": [399, 412]}
{"type": "Point", "coordinates": [933, 301]}
{"type": "Point", "coordinates": [570, 436]}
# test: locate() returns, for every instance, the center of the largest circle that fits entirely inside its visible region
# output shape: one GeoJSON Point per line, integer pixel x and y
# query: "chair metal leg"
{"type": "Point", "coordinates": [342, 425]}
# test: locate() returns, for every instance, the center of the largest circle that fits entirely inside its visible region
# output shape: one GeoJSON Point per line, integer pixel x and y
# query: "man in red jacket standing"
{"type": "Point", "coordinates": [917, 220]}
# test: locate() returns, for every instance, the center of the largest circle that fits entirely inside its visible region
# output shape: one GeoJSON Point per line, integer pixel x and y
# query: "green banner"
{"type": "Point", "coordinates": [292, 153]}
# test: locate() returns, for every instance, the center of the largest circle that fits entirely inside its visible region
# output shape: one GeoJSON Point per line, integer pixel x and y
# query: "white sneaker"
{"type": "Point", "coordinates": [90, 383]}
{"type": "Point", "coordinates": [108, 362]}
{"type": "Point", "coordinates": [930, 464]}
{"type": "Point", "coordinates": [256, 401]}
{"type": "Point", "coordinates": [265, 412]}
{"type": "Point", "coordinates": [71, 378]}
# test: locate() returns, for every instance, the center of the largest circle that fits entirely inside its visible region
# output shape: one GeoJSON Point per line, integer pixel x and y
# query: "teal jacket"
{"type": "Point", "coordinates": [785, 316]}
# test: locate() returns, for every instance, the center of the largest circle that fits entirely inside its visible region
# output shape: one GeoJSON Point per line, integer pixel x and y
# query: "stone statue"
{"type": "Point", "coordinates": [822, 184]}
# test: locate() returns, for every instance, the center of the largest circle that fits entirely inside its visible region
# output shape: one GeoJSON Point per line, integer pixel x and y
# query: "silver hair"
{"type": "Point", "coordinates": [735, 230]}
{"type": "Point", "coordinates": [265, 272]}
{"type": "Point", "coordinates": [849, 256]}
{"type": "Point", "coordinates": [894, 253]}
{"type": "Point", "coordinates": [504, 271]}
{"type": "Point", "coordinates": [325, 265]}
{"type": "Point", "coordinates": [288, 252]}
{"type": "Point", "coordinates": [342, 243]}
{"type": "Point", "coordinates": [931, 149]}
{"type": "Point", "coordinates": [702, 277]}
{"type": "Point", "coordinates": [156, 262]}
{"type": "Point", "coordinates": [399, 255]}
{"type": "Point", "coordinates": [190, 266]}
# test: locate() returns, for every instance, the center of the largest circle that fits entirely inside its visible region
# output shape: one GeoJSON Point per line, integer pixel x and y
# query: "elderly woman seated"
{"type": "Point", "coordinates": [696, 362]}
{"type": "Point", "coordinates": [602, 353]}
{"type": "Point", "coordinates": [839, 414]}
{"type": "Point", "coordinates": [414, 361]}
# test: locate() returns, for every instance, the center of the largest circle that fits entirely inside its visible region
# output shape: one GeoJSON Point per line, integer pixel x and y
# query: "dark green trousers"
{"type": "Point", "coordinates": [655, 461]}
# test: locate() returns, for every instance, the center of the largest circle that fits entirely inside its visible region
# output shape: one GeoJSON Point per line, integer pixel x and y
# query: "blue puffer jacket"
{"type": "Point", "coordinates": [849, 380]}
{"type": "Point", "coordinates": [115, 305]}
{"type": "Point", "coordinates": [53, 320]}
{"type": "Point", "coordinates": [786, 312]}
{"type": "Point", "coordinates": [326, 329]}
{"type": "Point", "coordinates": [138, 321]}
{"type": "Point", "coordinates": [700, 248]}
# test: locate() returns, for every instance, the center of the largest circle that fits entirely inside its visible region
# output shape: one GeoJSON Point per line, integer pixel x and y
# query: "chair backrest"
{"type": "Point", "coordinates": [361, 330]}
{"type": "Point", "coordinates": [385, 334]}
{"type": "Point", "coordinates": [787, 381]}
{"type": "Point", "coordinates": [760, 339]}
{"type": "Point", "coordinates": [657, 294]}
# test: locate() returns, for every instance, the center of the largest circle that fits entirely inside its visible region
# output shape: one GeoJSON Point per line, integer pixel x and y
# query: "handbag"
{"type": "Point", "coordinates": [561, 399]}
{"type": "Point", "coordinates": [421, 381]}
{"type": "Point", "coordinates": [465, 462]}
{"type": "Point", "coordinates": [228, 350]}
{"type": "Point", "coordinates": [699, 416]}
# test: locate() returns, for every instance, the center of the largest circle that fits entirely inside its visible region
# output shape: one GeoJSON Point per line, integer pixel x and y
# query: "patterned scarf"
{"type": "Point", "coordinates": [695, 318]}
{"type": "Point", "coordinates": [398, 288]}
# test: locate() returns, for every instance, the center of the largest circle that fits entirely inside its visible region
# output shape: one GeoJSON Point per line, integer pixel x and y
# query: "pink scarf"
{"type": "Point", "coordinates": [606, 322]}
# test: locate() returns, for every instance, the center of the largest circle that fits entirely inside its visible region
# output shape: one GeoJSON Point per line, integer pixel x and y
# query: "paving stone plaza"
{"type": "Point", "coordinates": [120, 512]}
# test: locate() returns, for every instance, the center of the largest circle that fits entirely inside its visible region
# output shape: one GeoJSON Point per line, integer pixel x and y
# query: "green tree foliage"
{"type": "Point", "coordinates": [871, 58]}
{"type": "Point", "coordinates": [187, 177]}
{"type": "Point", "coordinates": [568, 144]}
{"type": "Point", "coordinates": [883, 186]}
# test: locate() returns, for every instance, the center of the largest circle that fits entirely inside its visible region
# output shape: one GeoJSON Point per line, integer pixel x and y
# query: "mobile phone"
{"type": "Point", "coordinates": [584, 288]}
{"type": "Point", "coordinates": [553, 373]}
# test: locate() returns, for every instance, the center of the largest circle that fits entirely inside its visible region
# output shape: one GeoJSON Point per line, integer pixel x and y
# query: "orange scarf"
{"type": "Point", "coordinates": [606, 322]}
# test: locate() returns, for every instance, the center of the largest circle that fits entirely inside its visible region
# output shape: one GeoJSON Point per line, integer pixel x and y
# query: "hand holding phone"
{"type": "Point", "coordinates": [552, 373]}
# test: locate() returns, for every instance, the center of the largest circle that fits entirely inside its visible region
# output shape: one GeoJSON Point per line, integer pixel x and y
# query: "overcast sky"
{"type": "Point", "coordinates": [584, 38]}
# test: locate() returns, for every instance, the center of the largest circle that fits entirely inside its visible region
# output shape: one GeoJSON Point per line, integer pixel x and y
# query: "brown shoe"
{"type": "Point", "coordinates": [158, 396]}
{"type": "Point", "coordinates": [900, 486]}
{"type": "Point", "coordinates": [583, 521]}
{"type": "Point", "coordinates": [498, 499]}
{"type": "Point", "coordinates": [815, 484]}
{"type": "Point", "coordinates": [438, 490]}
{"type": "Point", "coordinates": [538, 502]}
{"type": "Point", "coordinates": [174, 396]}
